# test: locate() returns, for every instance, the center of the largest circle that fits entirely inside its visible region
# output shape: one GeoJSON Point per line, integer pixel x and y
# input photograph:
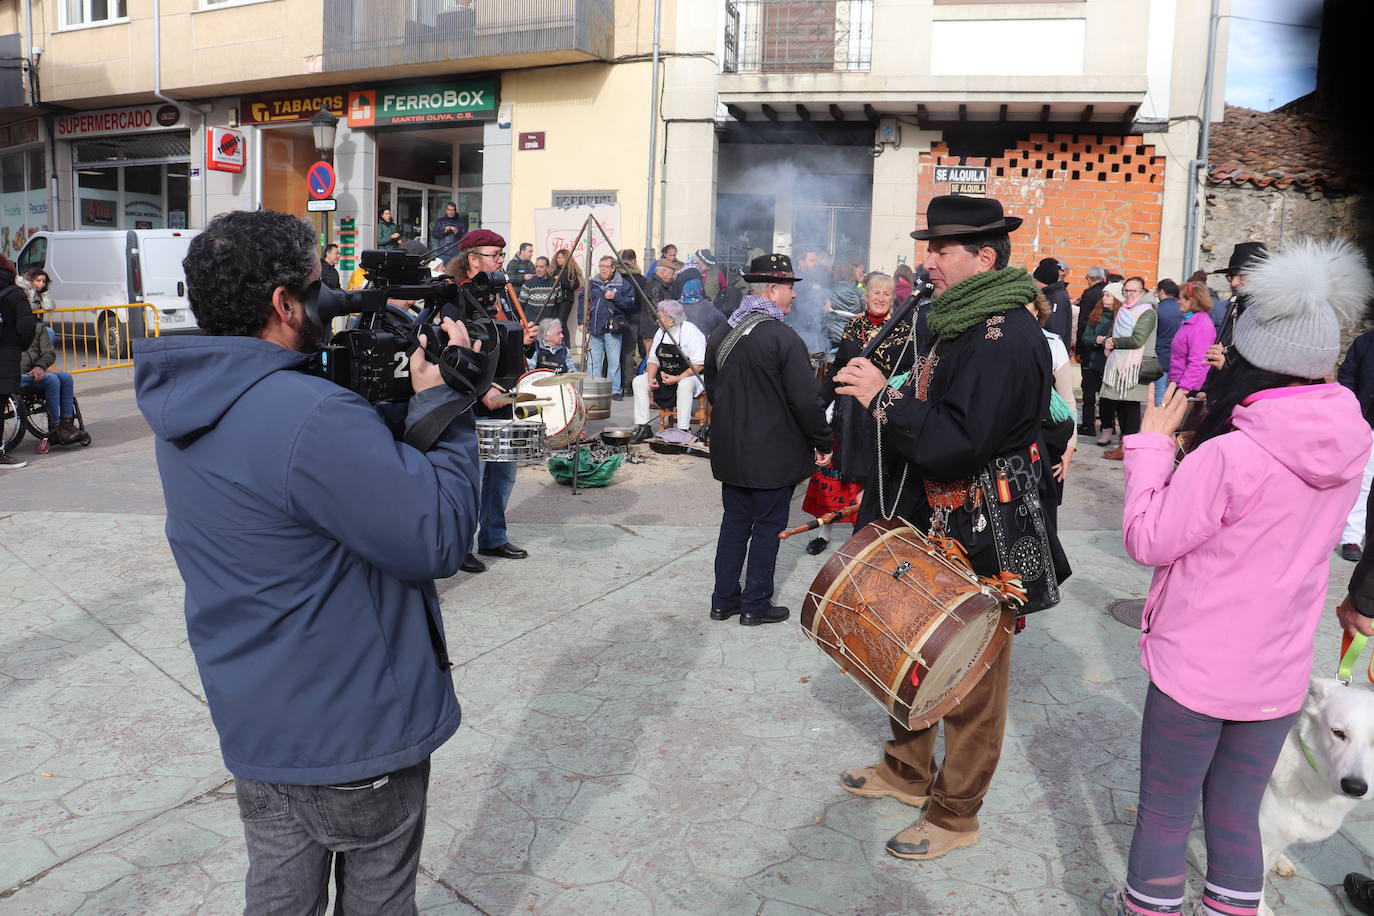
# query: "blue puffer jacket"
{"type": "Point", "coordinates": [623, 303]}
{"type": "Point", "coordinates": [308, 539]}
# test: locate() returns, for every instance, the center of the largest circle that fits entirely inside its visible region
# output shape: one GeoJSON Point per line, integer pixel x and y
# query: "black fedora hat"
{"type": "Point", "coordinates": [770, 268]}
{"type": "Point", "coordinates": [952, 216]}
{"type": "Point", "coordinates": [1244, 256]}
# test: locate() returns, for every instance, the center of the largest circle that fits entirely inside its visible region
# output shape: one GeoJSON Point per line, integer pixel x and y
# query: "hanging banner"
{"type": "Point", "coordinates": [556, 228]}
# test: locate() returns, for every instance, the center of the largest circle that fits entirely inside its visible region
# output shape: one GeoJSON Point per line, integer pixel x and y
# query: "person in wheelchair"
{"type": "Point", "coordinates": [672, 372]}
{"type": "Point", "coordinates": [37, 374]}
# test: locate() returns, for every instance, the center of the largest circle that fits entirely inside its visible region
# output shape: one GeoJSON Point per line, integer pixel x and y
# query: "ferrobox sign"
{"type": "Point", "coordinates": [427, 103]}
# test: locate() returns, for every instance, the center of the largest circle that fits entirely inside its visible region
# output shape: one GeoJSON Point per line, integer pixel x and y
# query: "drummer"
{"type": "Point", "coordinates": [968, 415]}
{"type": "Point", "coordinates": [550, 350]}
{"type": "Point", "coordinates": [672, 371]}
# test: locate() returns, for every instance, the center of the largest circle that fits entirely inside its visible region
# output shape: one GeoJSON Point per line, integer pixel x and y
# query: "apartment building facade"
{"type": "Point", "coordinates": [775, 123]}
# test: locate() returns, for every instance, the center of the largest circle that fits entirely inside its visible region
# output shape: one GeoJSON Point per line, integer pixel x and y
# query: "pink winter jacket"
{"type": "Point", "coordinates": [1240, 535]}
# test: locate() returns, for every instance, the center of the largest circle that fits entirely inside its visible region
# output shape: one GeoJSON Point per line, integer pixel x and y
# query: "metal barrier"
{"type": "Point", "coordinates": [92, 339]}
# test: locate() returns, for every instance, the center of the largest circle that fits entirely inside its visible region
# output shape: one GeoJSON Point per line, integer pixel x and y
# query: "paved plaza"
{"type": "Point", "coordinates": [620, 753]}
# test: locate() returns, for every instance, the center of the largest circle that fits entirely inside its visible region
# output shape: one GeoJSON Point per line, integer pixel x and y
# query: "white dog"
{"type": "Point", "coordinates": [1325, 769]}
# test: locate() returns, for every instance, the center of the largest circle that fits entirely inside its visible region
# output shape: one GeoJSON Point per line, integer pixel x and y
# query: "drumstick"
{"type": "Point", "coordinates": [515, 301]}
{"type": "Point", "coordinates": [826, 519]}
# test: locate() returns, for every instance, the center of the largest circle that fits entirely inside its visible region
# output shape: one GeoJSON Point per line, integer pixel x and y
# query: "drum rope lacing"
{"type": "Point", "coordinates": [866, 613]}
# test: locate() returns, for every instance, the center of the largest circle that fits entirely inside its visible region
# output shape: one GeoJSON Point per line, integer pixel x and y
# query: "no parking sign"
{"type": "Point", "coordinates": [320, 180]}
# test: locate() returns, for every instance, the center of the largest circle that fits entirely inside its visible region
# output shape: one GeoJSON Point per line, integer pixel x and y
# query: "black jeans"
{"type": "Point", "coordinates": [750, 525]}
{"type": "Point", "coordinates": [1127, 415]}
{"type": "Point", "coordinates": [1092, 384]}
{"type": "Point", "coordinates": [370, 832]}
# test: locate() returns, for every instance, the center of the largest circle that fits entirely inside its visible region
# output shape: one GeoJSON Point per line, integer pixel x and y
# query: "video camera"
{"type": "Point", "coordinates": [373, 357]}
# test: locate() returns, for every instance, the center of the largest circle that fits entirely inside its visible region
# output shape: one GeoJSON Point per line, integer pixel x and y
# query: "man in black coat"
{"type": "Point", "coordinates": [1097, 280]}
{"type": "Point", "coordinates": [1243, 257]}
{"type": "Point", "coordinates": [767, 434]}
{"type": "Point", "coordinates": [1050, 274]}
{"type": "Point", "coordinates": [17, 327]}
{"type": "Point", "coordinates": [970, 413]}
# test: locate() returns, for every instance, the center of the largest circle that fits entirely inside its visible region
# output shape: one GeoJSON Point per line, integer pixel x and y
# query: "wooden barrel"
{"type": "Point", "coordinates": [596, 394]}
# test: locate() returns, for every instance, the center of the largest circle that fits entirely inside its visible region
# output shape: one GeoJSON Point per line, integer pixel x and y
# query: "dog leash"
{"type": "Point", "coordinates": [1351, 649]}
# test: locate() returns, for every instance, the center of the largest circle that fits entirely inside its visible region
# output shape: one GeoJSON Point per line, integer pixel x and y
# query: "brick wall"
{"type": "Point", "coordinates": [1085, 199]}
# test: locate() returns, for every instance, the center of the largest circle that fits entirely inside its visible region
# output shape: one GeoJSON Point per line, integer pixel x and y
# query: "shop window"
{"type": "Point", "coordinates": [23, 198]}
{"type": "Point", "coordinates": [92, 12]}
{"type": "Point", "coordinates": [145, 196]}
{"type": "Point", "coordinates": [287, 154]}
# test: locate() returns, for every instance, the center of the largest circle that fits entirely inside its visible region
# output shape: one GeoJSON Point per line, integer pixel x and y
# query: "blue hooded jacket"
{"type": "Point", "coordinates": [308, 539]}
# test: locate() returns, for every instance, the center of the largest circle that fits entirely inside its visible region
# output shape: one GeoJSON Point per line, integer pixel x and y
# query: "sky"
{"type": "Point", "coordinates": [1269, 65]}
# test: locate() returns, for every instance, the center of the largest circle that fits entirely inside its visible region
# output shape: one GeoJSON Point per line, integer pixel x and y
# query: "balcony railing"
{"type": "Point", "coordinates": [381, 33]}
{"type": "Point", "coordinates": [798, 36]}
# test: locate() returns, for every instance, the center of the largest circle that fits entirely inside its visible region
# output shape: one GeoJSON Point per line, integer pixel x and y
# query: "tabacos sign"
{"type": "Point", "coordinates": [426, 103]}
{"type": "Point", "coordinates": [283, 107]}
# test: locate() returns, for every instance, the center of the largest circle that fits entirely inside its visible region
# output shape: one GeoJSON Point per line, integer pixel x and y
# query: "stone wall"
{"type": "Point", "coordinates": [1238, 213]}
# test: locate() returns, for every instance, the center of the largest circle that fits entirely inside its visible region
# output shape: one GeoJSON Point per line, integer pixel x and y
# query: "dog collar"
{"type": "Point", "coordinates": [1312, 761]}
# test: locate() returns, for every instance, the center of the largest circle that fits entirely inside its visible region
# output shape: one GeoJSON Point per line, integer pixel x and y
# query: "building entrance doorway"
{"type": "Point", "coordinates": [421, 172]}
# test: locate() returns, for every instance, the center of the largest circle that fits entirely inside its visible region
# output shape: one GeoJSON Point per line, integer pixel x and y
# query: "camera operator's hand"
{"type": "Point", "coordinates": [425, 374]}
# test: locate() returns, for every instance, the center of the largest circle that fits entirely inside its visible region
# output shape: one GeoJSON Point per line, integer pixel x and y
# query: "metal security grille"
{"type": "Point", "coordinates": [583, 198]}
{"type": "Point", "coordinates": [174, 144]}
{"type": "Point", "coordinates": [799, 36]}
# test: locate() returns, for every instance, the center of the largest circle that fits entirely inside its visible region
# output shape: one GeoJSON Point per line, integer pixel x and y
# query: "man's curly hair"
{"type": "Point", "coordinates": [236, 262]}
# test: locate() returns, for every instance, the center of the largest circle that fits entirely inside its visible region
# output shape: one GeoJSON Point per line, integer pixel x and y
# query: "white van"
{"type": "Point", "coordinates": [99, 268]}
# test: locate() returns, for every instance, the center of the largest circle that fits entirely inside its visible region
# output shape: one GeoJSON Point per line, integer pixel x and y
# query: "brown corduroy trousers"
{"type": "Point", "coordinates": [973, 745]}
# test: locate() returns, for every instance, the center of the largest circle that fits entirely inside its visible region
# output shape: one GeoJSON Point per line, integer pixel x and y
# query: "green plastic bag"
{"type": "Point", "coordinates": [589, 473]}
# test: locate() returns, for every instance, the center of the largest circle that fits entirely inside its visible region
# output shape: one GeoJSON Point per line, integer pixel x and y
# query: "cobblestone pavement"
{"type": "Point", "coordinates": [620, 752]}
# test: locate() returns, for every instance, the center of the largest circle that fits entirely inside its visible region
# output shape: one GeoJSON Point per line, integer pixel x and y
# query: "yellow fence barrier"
{"type": "Point", "coordinates": [92, 339]}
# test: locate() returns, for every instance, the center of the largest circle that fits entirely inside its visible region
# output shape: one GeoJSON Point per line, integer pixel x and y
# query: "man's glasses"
{"type": "Point", "coordinates": [490, 254]}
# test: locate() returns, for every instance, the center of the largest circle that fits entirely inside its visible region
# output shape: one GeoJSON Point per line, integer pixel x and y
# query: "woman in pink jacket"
{"type": "Point", "coordinates": [1188, 353]}
{"type": "Point", "coordinates": [1239, 535]}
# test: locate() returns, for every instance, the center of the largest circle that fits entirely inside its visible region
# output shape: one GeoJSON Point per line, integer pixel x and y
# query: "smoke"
{"type": "Point", "coordinates": [792, 198]}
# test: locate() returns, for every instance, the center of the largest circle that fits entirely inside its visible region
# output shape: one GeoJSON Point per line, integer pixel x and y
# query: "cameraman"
{"type": "Point", "coordinates": [308, 539]}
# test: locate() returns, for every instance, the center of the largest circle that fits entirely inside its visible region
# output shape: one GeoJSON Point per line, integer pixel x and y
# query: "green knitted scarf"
{"type": "Point", "coordinates": [981, 296]}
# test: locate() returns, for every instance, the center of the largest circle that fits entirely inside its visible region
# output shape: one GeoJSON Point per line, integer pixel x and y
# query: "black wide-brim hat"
{"type": "Point", "coordinates": [771, 268]}
{"type": "Point", "coordinates": [953, 216]}
{"type": "Point", "coordinates": [1244, 256]}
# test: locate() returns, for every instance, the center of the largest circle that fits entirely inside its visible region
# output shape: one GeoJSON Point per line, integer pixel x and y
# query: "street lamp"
{"type": "Point", "coordinates": [324, 124]}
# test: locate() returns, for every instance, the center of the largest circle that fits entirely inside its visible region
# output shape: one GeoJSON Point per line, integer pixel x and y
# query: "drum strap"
{"type": "Point", "coordinates": [741, 331]}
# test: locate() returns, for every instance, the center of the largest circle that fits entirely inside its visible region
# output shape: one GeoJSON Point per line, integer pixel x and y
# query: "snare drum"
{"type": "Point", "coordinates": [906, 620]}
{"type": "Point", "coordinates": [561, 409]}
{"type": "Point", "coordinates": [510, 440]}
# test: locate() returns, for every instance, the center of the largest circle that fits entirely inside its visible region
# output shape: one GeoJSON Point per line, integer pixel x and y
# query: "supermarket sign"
{"type": "Point", "coordinates": [426, 103]}
{"type": "Point", "coordinates": [134, 119]}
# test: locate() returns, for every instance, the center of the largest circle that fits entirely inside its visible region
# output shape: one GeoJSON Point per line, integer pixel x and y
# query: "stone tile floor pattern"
{"type": "Point", "coordinates": [620, 753]}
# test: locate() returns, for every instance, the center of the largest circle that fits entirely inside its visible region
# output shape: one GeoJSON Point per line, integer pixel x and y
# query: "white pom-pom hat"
{"type": "Point", "coordinates": [1297, 302]}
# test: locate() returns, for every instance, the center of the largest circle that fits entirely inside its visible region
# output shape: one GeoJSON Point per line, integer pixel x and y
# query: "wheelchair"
{"type": "Point", "coordinates": [27, 412]}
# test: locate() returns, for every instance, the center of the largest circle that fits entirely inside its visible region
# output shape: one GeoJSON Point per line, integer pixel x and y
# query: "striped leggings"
{"type": "Point", "coordinates": [1184, 754]}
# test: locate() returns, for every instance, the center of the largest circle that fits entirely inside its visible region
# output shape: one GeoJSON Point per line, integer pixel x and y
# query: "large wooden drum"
{"type": "Point", "coordinates": [907, 620]}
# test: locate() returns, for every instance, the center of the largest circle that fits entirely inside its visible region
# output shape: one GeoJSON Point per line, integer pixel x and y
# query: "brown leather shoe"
{"type": "Point", "coordinates": [1114, 454]}
{"type": "Point", "coordinates": [924, 840]}
{"type": "Point", "coordinates": [867, 782]}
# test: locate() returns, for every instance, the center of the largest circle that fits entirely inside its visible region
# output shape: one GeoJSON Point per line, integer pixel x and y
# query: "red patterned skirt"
{"type": "Point", "coordinates": [828, 492]}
